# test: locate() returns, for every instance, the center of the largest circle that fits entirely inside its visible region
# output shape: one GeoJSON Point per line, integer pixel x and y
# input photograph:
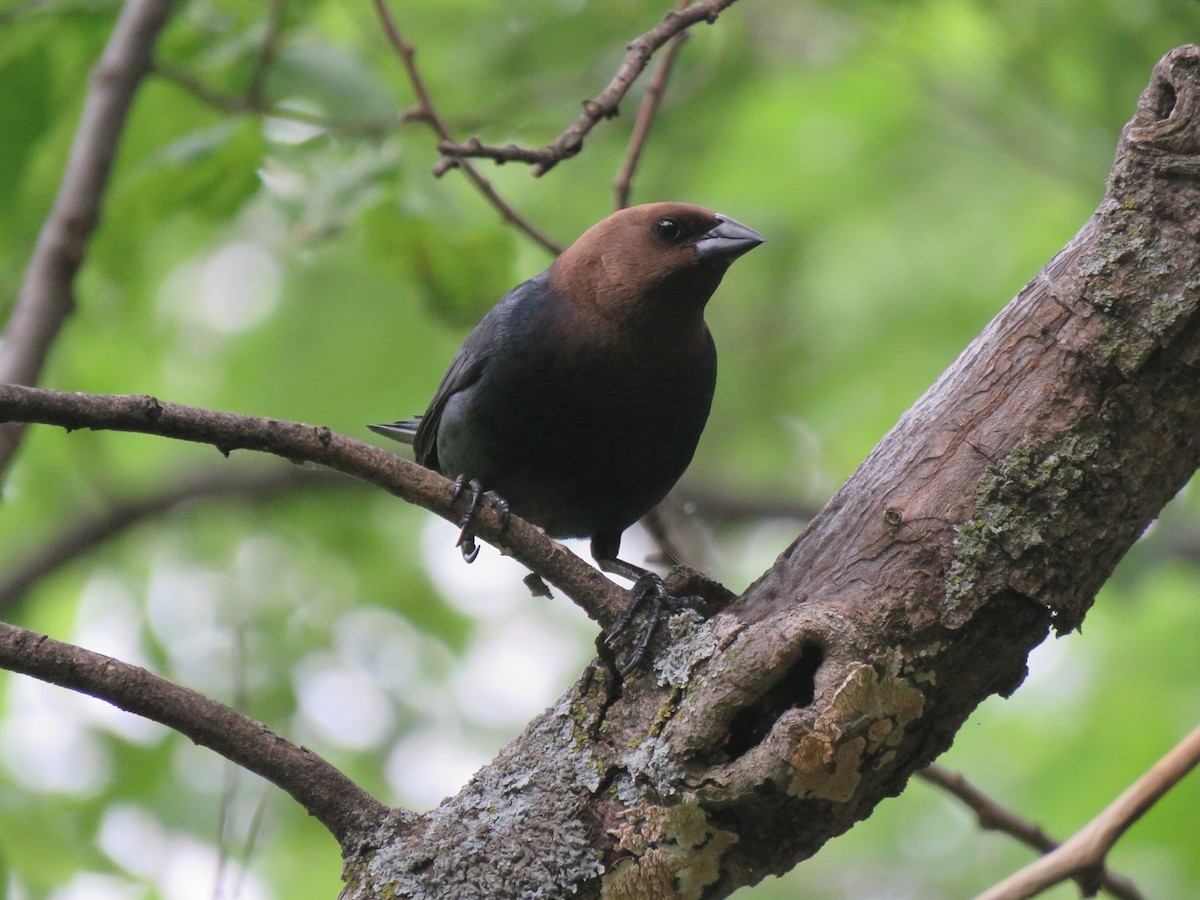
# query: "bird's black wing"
{"type": "Point", "coordinates": [464, 371]}
{"type": "Point", "coordinates": [492, 337]}
{"type": "Point", "coordinates": [421, 431]}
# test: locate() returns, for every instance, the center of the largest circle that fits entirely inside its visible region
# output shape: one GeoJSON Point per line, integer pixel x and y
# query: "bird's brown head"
{"type": "Point", "coordinates": [655, 262]}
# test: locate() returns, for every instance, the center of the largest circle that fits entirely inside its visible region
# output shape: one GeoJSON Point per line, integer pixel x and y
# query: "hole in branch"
{"type": "Point", "coordinates": [794, 690]}
{"type": "Point", "coordinates": [1164, 101]}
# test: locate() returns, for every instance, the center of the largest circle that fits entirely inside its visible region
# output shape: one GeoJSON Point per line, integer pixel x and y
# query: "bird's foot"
{"type": "Point", "coordinates": [649, 592]}
{"type": "Point", "coordinates": [475, 493]}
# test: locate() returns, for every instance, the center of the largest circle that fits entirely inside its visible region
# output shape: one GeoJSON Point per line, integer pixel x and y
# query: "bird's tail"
{"type": "Point", "coordinates": [404, 431]}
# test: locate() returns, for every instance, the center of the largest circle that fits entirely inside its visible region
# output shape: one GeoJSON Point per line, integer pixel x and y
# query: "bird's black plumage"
{"type": "Point", "coordinates": [581, 396]}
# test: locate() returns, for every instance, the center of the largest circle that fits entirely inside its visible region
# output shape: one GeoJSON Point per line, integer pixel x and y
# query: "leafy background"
{"type": "Point", "coordinates": [912, 165]}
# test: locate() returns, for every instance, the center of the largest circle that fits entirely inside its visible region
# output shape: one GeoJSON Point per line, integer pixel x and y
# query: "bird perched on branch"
{"type": "Point", "coordinates": [577, 402]}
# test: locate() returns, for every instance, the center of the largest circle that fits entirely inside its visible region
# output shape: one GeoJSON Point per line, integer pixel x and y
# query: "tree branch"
{"type": "Point", "coordinates": [994, 817]}
{"type": "Point", "coordinates": [256, 105]}
{"type": "Point", "coordinates": [600, 598]}
{"type": "Point", "coordinates": [46, 295]}
{"type": "Point", "coordinates": [1082, 856]}
{"type": "Point", "coordinates": [623, 184]}
{"type": "Point", "coordinates": [427, 112]}
{"type": "Point", "coordinates": [604, 105]}
{"type": "Point", "coordinates": [268, 49]}
{"type": "Point", "coordinates": [81, 537]}
{"type": "Point", "coordinates": [349, 812]}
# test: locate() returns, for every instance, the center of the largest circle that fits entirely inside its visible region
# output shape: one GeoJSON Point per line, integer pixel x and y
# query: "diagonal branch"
{"type": "Point", "coordinates": [45, 298]}
{"type": "Point", "coordinates": [90, 531]}
{"type": "Point", "coordinates": [604, 105]}
{"type": "Point", "coordinates": [248, 103]}
{"type": "Point", "coordinates": [600, 598]}
{"type": "Point", "coordinates": [994, 817]}
{"type": "Point", "coordinates": [1082, 856]}
{"type": "Point", "coordinates": [623, 184]}
{"type": "Point", "coordinates": [349, 812]}
{"type": "Point", "coordinates": [427, 112]}
{"type": "Point", "coordinates": [267, 51]}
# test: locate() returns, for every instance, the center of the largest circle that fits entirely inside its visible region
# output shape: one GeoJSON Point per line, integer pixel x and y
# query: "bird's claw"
{"type": "Point", "coordinates": [650, 592]}
{"type": "Point", "coordinates": [466, 536]}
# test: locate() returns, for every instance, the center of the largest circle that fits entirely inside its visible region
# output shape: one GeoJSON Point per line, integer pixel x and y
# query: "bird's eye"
{"type": "Point", "coordinates": [668, 229]}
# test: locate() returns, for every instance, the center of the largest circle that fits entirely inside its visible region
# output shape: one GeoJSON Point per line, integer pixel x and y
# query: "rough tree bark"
{"type": "Point", "coordinates": [993, 511]}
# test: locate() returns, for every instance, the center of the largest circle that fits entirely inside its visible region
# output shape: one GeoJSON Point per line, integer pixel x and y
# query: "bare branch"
{"type": "Point", "coordinates": [46, 296]}
{"type": "Point", "coordinates": [726, 506]}
{"type": "Point", "coordinates": [623, 184]}
{"type": "Point", "coordinates": [425, 111]}
{"type": "Point", "coordinates": [267, 51]}
{"type": "Point", "coordinates": [1082, 856]}
{"type": "Point", "coordinates": [81, 537]}
{"type": "Point", "coordinates": [258, 106]}
{"type": "Point", "coordinates": [349, 812]}
{"type": "Point", "coordinates": [600, 598]}
{"type": "Point", "coordinates": [994, 817]}
{"type": "Point", "coordinates": [604, 105]}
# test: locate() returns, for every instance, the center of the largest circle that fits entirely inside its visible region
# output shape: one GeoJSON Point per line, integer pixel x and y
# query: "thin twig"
{"type": "Point", "coordinates": [46, 296]}
{"type": "Point", "coordinates": [243, 105]}
{"type": "Point", "coordinates": [349, 812]}
{"type": "Point", "coordinates": [425, 111]}
{"type": "Point", "coordinates": [81, 537]}
{"type": "Point", "coordinates": [623, 184]}
{"type": "Point", "coordinates": [604, 105]}
{"type": "Point", "coordinates": [1082, 855]}
{"type": "Point", "coordinates": [724, 506]}
{"type": "Point", "coordinates": [600, 598]}
{"type": "Point", "coordinates": [994, 817]}
{"type": "Point", "coordinates": [267, 51]}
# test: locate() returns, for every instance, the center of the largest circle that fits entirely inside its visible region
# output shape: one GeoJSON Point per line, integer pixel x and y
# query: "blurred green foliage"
{"type": "Point", "coordinates": [912, 165]}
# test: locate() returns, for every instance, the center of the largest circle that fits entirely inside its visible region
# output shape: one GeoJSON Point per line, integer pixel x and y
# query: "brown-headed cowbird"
{"type": "Point", "coordinates": [580, 397]}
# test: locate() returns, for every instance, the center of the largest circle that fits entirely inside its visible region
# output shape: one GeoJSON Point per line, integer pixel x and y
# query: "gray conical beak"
{"type": "Point", "coordinates": [727, 241]}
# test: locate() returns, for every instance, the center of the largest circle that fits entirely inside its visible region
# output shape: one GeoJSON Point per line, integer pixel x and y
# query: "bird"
{"type": "Point", "coordinates": [578, 401]}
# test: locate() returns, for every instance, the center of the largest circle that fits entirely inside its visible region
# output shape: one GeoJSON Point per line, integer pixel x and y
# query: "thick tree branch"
{"type": "Point", "coordinates": [993, 511]}
{"type": "Point", "coordinates": [46, 295]}
{"type": "Point", "coordinates": [1082, 856]}
{"type": "Point", "coordinates": [81, 537]}
{"type": "Point", "coordinates": [994, 817]}
{"type": "Point", "coordinates": [604, 105]}
{"type": "Point", "coordinates": [349, 812]}
{"type": "Point", "coordinates": [599, 597]}
{"type": "Point", "coordinates": [425, 111]}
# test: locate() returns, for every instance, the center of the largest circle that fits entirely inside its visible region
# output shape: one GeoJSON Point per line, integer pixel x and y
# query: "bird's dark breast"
{"type": "Point", "coordinates": [582, 443]}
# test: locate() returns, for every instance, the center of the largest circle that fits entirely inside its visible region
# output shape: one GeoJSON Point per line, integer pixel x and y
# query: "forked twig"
{"type": "Point", "coordinates": [1082, 855]}
{"type": "Point", "coordinates": [604, 105]}
{"type": "Point", "coordinates": [426, 112]}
